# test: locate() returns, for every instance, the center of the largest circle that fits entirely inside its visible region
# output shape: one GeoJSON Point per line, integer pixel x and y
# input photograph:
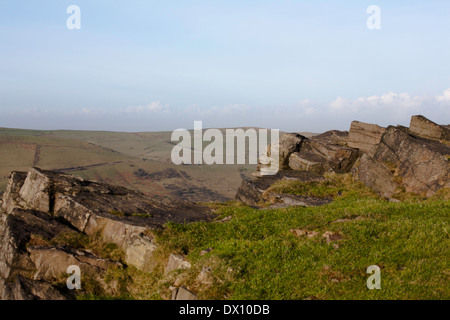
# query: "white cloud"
{"type": "Point", "coordinates": [389, 101]}
{"type": "Point", "coordinates": [445, 97]}
{"type": "Point", "coordinates": [392, 108]}
{"type": "Point", "coordinates": [154, 107]}
{"type": "Point", "coordinates": [227, 110]}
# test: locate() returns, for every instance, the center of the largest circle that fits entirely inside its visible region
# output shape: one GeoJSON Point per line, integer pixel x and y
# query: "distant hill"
{"type": "Point", "coordinates": [140, 161]}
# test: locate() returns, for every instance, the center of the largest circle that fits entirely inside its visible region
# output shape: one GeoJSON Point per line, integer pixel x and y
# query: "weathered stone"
{"type": "Point", "coordinates": [51, 262]}
{"type": "Point", "coordinates": [251, 191]}
{"type": "Point", "coordinates": [11, 195]}
{"type": "Point", "coordinates": [403, 162]}
{"type": "Point", "coordinates": [288, 143]}
{"type": "Point", "coordinates": [28, 289]}
{"type": "Point", "coordinates": [174, 293]}
{"type": "Point", "coordinates": [119, 215]}
{"type": "Point", "coordinates": [307, 161]}
{"type": "Point", "coordinates": [134, 239]}
{"type": "Point", "coordinates": [184, 294]}
{"type": "Point", "coordinates": [422, 166]}
{"type": "Point", "coordinates": [205, 276]}
{"type": "Point", "coordinates": [324, 153]}
{"type": "Point", "coordinates": [174, 263]}
{"type": "Point", "coordinates": [365, 136]}
{"type": "Point", "coordinates": [185, 265]}
{"type": "Point", "coordinates": [42, 204]}
{"type": "Point", "coordinates": [36, 191]}
{"type": "Point", "coordinates": [377, 176]}
{"type": "Point", "coordinates": [332, 137]}
{"type": "Point", "coordinates": [18, 228]}
{"type": "Point", "coordinates": [339, 159]}
{"type": "Point", "coordinates": [425, 128]}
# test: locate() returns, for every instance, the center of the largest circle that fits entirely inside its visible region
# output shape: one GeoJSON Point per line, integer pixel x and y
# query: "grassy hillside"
{"type": "Point", "coordinates": [292, 253]}
{"type": "Point", "coordinates": [286, 254]}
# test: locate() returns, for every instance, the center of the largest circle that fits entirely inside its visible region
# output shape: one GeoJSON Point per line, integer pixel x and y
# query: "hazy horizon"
{"type": "Point", "coordinates": [146, 66]}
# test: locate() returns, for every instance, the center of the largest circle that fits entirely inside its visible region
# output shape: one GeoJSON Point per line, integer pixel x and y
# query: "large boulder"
{"type": "Point", "coordinates": [425, 128]}
{"type": "Point", "coordinates": [365, 136]}
{"type": "Point", "coordinates": [408, 163]}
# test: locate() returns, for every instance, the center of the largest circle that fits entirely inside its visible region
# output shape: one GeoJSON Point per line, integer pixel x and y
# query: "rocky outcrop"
{"type": "Point", "coordinates": [307, 159]}
{"type": "Point", "coordinates": [425, 128]}
{"type": "Point", "coordinates": [365, 136]}
{"type": "Point", "coordinates": [389, 160]}
{"type": "Point", "coordinates": [40, 205]}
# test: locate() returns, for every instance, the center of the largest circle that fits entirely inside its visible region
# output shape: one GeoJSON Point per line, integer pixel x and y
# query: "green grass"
{"type": "Point", "coordinates": [324, 189]}
{"type": "Point", "coordinates": [255, 256]}
{"type": "Point", "coordinates": [92, 243]}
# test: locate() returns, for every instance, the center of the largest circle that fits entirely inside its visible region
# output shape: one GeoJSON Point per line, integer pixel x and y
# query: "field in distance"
{"type": "Point", "coordinates": [140, 161]}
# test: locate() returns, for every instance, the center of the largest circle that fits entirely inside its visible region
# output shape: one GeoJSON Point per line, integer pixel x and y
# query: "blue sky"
{"type": "Point", "coordinates": [160, 65]}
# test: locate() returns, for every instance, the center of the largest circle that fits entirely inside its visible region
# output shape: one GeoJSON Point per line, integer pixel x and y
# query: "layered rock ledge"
{"type": "Point", "coordinates": [42, 205]}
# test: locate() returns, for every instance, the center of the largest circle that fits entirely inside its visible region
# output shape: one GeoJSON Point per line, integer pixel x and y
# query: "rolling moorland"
{"type": "Point", "coordinates": [342, 202]}
{"type": "Point", "coordinates": [140, 161]}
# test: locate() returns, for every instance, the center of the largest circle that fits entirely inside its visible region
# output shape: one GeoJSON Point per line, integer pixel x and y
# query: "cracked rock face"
{"type": "Point", "coordinates": [421, 164]}
{"type": "Point", "coordinates": [365, 136]}
{"type": "Point", "coordinates": [43, 204]}
{"type": "Point", "coordinates": [425, 128]}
